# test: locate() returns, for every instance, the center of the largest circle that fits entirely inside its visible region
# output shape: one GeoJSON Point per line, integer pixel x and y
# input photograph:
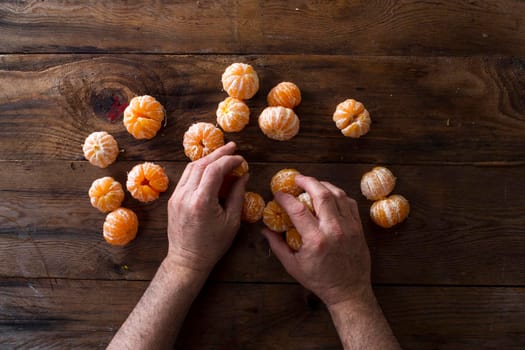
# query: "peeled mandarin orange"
{"type": "Point", "coordinates": [307, 201]}
{"type": "Point", "coordinates": [240, 80]}
{"type": "Point", "coordinates": [279, 123]}
{"type": "Point", "coordinates": [241, 169]}
{"type": "Point", "coordinates": [233, 115]}
{"type": "Point", "coordinates": [146, 181]}
{"type": "Point", "coordinates": [253, 207]}
{"type": "Point", "coordinates": [275, 217]}
{"type": "Point", "coordinates": [378, 183]}
{"type": "Point", "coordinates": [106, 194]}
{"type": "Point", "coordinates": [101, 149]}
{"type": "Point", "coordinates": [284, 94]}
{"type": "Point", "coordinates": [352, 118]}
{"type": "Point", "coordinates": [120, 227]}
{"type": "Point", "coordinates": [143, 117]}
{"type": "Point", "coordinates": [293, 239]}
{"type": "Point", "coordinates": [390, 211]}
{"type": "Point", "coordinates": [284, 181]}
{"type": "Point", "coordinates": [201, 139]}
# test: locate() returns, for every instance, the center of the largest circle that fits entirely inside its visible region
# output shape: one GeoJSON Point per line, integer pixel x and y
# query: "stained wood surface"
{"type": "Point", "coordinates": [452, 110]}
{"type": "Point", "coordinates": [354, 27]}
{"type": "Point", "coordinates": [445, 85]}
{"type": "Point", "coordinates": [53, 221]}
{"type": "Point", "coordinates": [53, 314]}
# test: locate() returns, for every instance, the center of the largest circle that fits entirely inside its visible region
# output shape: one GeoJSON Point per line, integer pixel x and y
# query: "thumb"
{"type": "Point", "coordinates": [280, 248]}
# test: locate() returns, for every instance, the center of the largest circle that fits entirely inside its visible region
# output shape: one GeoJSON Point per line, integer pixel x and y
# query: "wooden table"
{"type": "Point", "coordinates": [445, 85]}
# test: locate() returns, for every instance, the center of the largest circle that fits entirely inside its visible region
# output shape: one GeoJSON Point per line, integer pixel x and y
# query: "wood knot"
{"type": "Point", "coordinates": [109, 104]}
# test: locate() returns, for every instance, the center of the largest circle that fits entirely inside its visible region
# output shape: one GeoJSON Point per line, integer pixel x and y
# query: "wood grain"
{"type": "Point", "coordinates": [465, 226]}
{"type": "Point", "coordinates": [230, 26]}
{"type": "Point", "coordinates": [53, 314]}
{"type": "Point", "coordinates": [431, 110]}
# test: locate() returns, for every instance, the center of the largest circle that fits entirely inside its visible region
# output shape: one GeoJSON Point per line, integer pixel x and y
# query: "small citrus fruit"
{"type": "Point", "coordinates": [352, 118]}
{"type": "Point", "coordinates": [201, 139]}
{"type": "Point", "coordinates": [106, 194]}
{"type": "Point", "coordinates": [101, 149]}
{"type": "Point", "coordinates": [377, 183]}
{"type": "Point", "coordinates": [143, 117]}
{"type": "Point", "coordinates": [275, 217]}
{"type": "Point", "coordinates": [284, 181]}
{"type": "Point", "coordinates": [279, 123]}
{"type": "Point", "coordinates": [253, 207]}
{"type": "Point", "coordinates": [390, 211]}
{"type": "Point", "coordinates": [307, 201]}
{"type": "Point", "coordinates": [146, 181]}
{"type": "Point", "coordinates": [120, 227]}
{"type": "Point", "coordinates": [233, 115]}
{"type": "Point", "coordinates": [284, 94]}
{"type": "Point", "coordinates": [293, 238]}
{"type": "Point", "coordinates": [241, 169]}
{"type": "Point", "coordinates": [240, 80]}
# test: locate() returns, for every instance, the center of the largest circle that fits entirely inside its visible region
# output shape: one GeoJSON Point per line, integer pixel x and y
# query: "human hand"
{"type": "Point", "coordinates": [200, 229]}
{"type": "Point", "coordinates": [334, 261]}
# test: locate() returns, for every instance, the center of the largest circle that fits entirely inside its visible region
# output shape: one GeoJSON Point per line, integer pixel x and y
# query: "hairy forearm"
{"type": "Point", "coordinates": [157, 318]}
{"type": "Point", "coordinates": [362, 325]}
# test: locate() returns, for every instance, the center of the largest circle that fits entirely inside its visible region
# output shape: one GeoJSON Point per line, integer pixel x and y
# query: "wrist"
{"type": "Point", "coordinates": [177, 269]}
{"type": "Point", "coordinates": [360, 297]}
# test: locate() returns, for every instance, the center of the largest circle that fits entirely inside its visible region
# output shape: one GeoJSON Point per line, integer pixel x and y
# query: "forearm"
{"type": "Point", "coordinates": [362, 325]}
{"type": "Point", "coordinates": [157, 318]}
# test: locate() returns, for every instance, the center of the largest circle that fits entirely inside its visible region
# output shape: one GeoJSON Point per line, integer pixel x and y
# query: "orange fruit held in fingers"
{"type": "Point", "coordinates": [240, 80]}
{"type": "Point", "coordinates": [293, 239]}
{"type": "Point", "coordinates": [284, 94]}
{"type": "Point", "coordinates": [241, 169]}
{"type": "Point", "coordinates": [233, 115]}
{"type": "Point", "coordinates": [120, 227]}
{"type": "Point", "coordinates": [279, 123]}
{"type": "Point", "coordinates": [201, 139]}
{"type": "Point", "coordinates": [284, 181]}
{"type": "Point", "coordinates": [378, 183]}
{"type": "Point", "coordinates": [106, 194]}
{"type": "Point", "coordinates": [253, 207]}
{"type": "Point", "coordinates": [352, 118]}
{"type": "Point", "coordinates": [146, 181]}
{"type": "Point", "coordinates": [143, 117]}
{"type": "Point", "coordinates": [390, 211]}
{"type": "Point", "coordinates": [101, 149]}
{"type": "Point", "coordinates": [275, 217]}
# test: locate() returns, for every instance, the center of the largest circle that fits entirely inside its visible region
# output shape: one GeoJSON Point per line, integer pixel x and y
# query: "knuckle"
{"type": "Point", "coordinates": [324, 196]}
{"type": "Point", "coordinates": [297, 210]}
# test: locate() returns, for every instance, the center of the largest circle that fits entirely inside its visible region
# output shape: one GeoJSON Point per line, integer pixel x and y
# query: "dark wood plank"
{"type": "Point", "coordinates": [424, 110]}
{"type": "Point", "coordinates": [230, 26]}
{"type": "Point", "coordinates": [466, 225]}
{"type": "Point", "coordinates": [52, 314]}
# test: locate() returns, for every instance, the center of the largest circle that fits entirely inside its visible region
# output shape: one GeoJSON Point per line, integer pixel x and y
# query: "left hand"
{"type": "Point", "coordinates": [200, 229]}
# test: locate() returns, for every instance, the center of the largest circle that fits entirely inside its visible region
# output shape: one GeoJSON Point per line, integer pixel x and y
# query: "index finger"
{"type": "Point", "coordinates": [302, 218]}
{"type": "Point", "coordinates": [214, 174]}
{"type": "Point", "coordinates": [323, 199]}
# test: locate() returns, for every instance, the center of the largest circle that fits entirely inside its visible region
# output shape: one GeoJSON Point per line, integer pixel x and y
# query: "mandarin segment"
{"type": "Point", "coordinates": [275, 217]}
{"type": "Point", "coordinates": [352, 118]}
{"type": "Point", "coordinates": [284, 181]}
{"type": "Point", "coordinates": [201, 139]}
{"type": "Point", "coordinates": [284, 94]}
{"type": "Point", "coordinates": [293, 239]}
{"type": "Point", "coordinates": [377, 183]}
{"type": "Point", "coordinates": [241, 169]}
{"type": "Point", "coordinates": [240, 80]}
{"type": "Point", "coordinates": [143, 117]}
{"type": "Point", "coordinates": [100, 149]}
{"type": "Point", "coordinates": [279, 123]}
{"type": "Point", "coordinates": [106, 194]}
{"type": "Point", "coordinates": [253, 207]}
{"type": "Point", "coordinates": [233, 115]}
{"type": "Point", "coordinates": [390, 211]}
{"type": "Point", "coordinates": [120, 227]}
{"type": "Point", "coordinates": [146, 181]}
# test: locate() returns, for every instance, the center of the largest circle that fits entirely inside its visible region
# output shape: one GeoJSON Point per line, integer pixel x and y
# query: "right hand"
{"type": "Point", "coordinates": [334, 261]}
